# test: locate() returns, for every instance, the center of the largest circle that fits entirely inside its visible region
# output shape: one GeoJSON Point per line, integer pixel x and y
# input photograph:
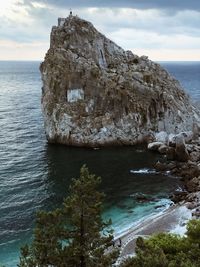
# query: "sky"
{"type": "Point", "coordinates": [164, 30]}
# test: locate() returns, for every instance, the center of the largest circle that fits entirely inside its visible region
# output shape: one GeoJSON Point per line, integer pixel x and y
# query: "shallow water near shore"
{"type": "Point", "coordinates": [35, 175]}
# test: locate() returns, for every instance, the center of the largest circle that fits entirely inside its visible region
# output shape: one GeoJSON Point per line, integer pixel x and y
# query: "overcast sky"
{"type": "Point", "coordinates": [161, 29]}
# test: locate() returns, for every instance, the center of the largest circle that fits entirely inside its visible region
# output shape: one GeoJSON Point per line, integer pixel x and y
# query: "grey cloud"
{"type": "Point", "coordinates": [186, 23]}
{"type": "Point", "coordinates": [163, 22]}
{"type": "Point", "coordinates": [171, 5]}
{"type": "Point", "coordinates": [156, 22]}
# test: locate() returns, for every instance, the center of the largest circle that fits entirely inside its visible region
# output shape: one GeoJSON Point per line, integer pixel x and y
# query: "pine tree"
{"type": "Point", "coordinates": [168, 250]}
{"type": "Point", "coordinates": [75, 235]}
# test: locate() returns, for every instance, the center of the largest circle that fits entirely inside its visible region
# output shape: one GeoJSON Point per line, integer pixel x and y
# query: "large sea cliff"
{"type": "Point", "coordinates": [96, 94]}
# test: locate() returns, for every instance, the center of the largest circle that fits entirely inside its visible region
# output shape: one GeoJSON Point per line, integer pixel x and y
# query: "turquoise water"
{"type": "Point", "coordinates": [35, 175]}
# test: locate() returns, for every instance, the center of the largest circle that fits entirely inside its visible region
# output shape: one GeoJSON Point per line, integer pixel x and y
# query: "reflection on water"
{"type": "Point", "coordinates": [112, 164]}
{"type": "Point", "coordinates": [119, 184]}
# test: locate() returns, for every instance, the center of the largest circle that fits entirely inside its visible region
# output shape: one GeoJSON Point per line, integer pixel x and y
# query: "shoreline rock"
{"type": "Point", "coordinates": [186, 207]}
{"type": "Point", "coordinates": [185, 164]}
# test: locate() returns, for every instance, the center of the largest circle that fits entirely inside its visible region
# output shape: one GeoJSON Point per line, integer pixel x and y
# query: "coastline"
{"type": "Point", "coordinates": [173, 219]}
{"type": "Point", "coordinates": [184, 161]}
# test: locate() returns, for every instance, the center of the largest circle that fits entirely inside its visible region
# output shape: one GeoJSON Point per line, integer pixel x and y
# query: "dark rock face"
{"type": "Point", "coordinates": [179, 196]}
{"type": "Point", "coordinates": [181, 153]}
{"type": "Point", "coordinates": [95, 93]}
{"type": "Point", "coordinates": [193, 185]}
{"type": "Point", "coordinates": [170, 153]}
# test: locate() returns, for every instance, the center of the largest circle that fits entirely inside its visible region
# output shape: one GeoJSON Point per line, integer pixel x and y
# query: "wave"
{"type": "Point", "coordinates": [158, 209]}
{"type": "Point", "coordinates": [143, 171]}
{"type": "Point", "coordinates": [179, 189]}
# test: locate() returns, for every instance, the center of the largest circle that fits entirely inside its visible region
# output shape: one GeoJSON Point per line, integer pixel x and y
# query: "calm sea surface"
{"type": "Point", "coordinates": [35, 175]}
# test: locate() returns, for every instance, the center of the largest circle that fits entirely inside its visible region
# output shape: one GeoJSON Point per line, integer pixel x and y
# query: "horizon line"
{"type": "Point", "coordinates": [38, 60]}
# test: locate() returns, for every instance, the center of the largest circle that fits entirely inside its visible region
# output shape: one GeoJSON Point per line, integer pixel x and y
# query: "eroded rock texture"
{"type": "Point", "coordinates": [95, 93]}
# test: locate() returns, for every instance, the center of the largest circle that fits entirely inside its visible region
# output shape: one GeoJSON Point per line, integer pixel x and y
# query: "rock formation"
{"type": "Point", "coordinates": [95, 93]}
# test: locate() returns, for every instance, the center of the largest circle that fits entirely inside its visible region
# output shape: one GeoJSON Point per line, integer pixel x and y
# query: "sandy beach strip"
{"type": "Point", "coordinates": [173, 219]}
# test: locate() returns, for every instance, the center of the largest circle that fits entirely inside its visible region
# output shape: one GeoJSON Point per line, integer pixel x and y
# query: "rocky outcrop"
{"type": "Point", "coordinates": [183, 160]}
{"type": "Point", "coordinates": [181, 153]}
{"type": "Point", "coordinates": [193, 185]}
{"type": "Point", "coordinates": [95, 93]}
{"type": "Point", "coordinates": [180, 147]}
{"type": "Point", "coordinates": [154, 146]}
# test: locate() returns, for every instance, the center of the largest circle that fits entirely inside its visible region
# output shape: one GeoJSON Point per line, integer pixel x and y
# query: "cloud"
{"type": "Point", "coordinates": [136, 4]}
{"type": "Point", "coordinates": [32, 19]}
{"type": "Point", "coordinates": [143, 25]}
{"type": "Point", "coordinates": [11, 50]}
{"type": "Point", "coordinates": [187, 22]}
{"type": "Point", "coordinates": [25, 23]}
{"type": "Point", "coordinates": [137, 39]}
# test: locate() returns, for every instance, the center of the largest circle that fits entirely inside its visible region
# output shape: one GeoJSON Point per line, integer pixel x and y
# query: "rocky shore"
{"type": "Point", "coordinates": [181, 157]}
{"type": "Point", "coordinates": [174, 220]}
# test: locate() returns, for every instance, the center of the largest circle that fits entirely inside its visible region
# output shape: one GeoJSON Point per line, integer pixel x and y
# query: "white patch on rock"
{"type": "Point", "coordinates": [104, 130]}
{"type": "Point", "coordinates": [161, 137]}
{"type": "Point", "coordinates": [74, 95]}
{"type": "Point", "coordinates": [89, 106]}
{"type": "Point", "coordinates": [102, 59]}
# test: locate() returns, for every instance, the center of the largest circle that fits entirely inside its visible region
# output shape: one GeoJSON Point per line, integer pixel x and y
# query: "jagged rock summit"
{"type": "Point", "coordinates": [95, 93]}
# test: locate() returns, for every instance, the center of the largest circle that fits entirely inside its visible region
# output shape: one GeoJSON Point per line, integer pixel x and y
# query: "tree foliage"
{"type": "Point", "coordinates": [74, 235]}
{"type": "Point", "coordinates": [168, 250]}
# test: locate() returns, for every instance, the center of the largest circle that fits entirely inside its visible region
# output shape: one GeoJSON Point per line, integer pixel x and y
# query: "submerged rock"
{"type": "Point", "coordinates": [142, 198]}
{"type": "Point", "coordinates": [95, 93]}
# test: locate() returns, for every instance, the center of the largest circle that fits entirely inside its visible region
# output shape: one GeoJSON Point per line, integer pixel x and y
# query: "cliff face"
{"type": "Point", "coordinates": [95, 93]}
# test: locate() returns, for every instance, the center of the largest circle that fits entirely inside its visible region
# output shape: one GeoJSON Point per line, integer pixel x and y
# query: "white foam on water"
{"type": "Point", "coordinates": [185, 215]}
{"type": "Point", "coordinates": [143, 171]}
{"type": "Point", "coordinates": [139, 150]}
{"type": "Point", "coordinates": [179, 189]}
{"type": "Point", "coordinates": [125, 225]}
{"type": "Point", "coordinates": [166, 203]}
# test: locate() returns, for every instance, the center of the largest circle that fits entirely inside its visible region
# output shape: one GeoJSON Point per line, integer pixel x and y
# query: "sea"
{"type": "Point", "coordinates": [35, 175]}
